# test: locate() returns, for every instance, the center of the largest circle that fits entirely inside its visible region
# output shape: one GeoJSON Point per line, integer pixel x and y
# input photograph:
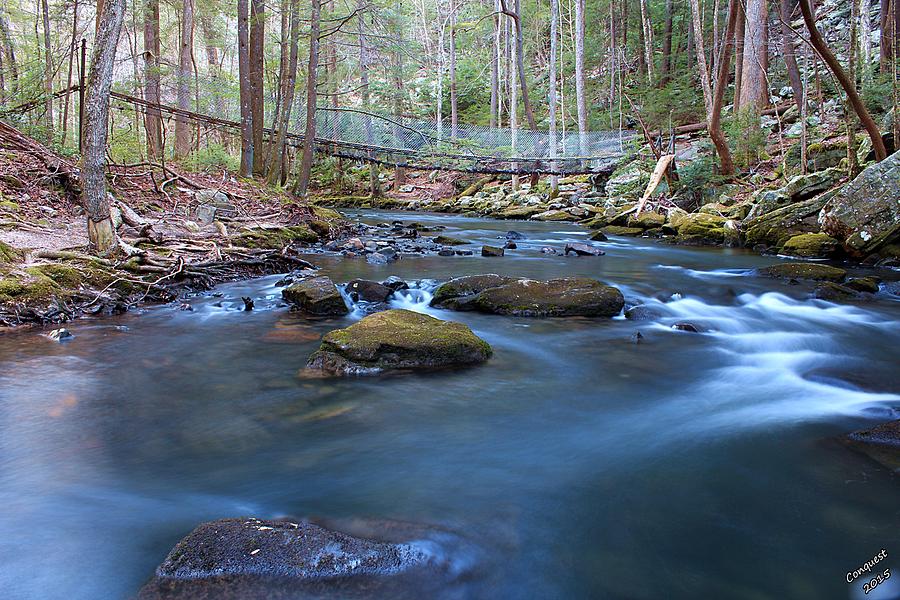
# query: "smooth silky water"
{"type": "Point", "coordinates": [580, 464]}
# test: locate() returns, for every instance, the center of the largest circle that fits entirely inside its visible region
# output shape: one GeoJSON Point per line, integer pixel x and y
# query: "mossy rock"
{"type": "Point", "coordinates": [701, 228]}
{"type": "Point", "coordinates": [555, 216]}
{"type": "Point", "coordinates": [7, 206]}
{"type": "Point", "coordinates": [275, 238]}
{"type": "Point", "coordinates": [811, 245]}
{"type": "Point", "coordinates": [810, 271]}
{"type": "Point", "coordinates": [467, 286]}
{"type": "Point", "coordinates": [565, 297]}
{"type": "Point", "coordinates": [398, 339]}
{"type": "Point", "coordinates": [835, 292]}
{"type": "Point", "coordinates": [446, 240]}
{"type": "Point", "coordinates": [777, 227]}
{"type": "Point", "coordinates": [316, 296]}
{"type": "Point", "coordinates": [8, 254]}
{"type": "Point", "coordinates": [31, 287]}
{"type": "Point", "coordinates": [647, 220]}
{"type": "Point", "coordinates": [622, 231]}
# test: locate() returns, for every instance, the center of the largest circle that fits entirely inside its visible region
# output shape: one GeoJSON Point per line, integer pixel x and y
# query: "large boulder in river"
{"type": "Point", "coordinates": [316, 296]}
{"type": "Point", "coordinates": [809, 271]}
{"type": "Point", "coordinates": [777, 227]}
{"type": "Point", "coordinates": [566, 297]}
{"type": "Point", "coordinates": [398, 339]}
{"type": "Point", "coordinates": [881, 443]}
{"type": "Point", "coordinates": [865, 214]}
{"type": "Point", "coordinates": [368, 291]}
{"type": "Point", "coordinates": [252, 559]}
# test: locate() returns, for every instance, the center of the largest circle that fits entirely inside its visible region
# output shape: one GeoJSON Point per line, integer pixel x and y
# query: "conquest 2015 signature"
{"type": "Point", "coordinates": [869, 568]}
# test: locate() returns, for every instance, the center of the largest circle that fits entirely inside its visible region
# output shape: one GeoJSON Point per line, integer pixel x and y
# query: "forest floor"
{"type": "Point", "coordinates": [179, 231]}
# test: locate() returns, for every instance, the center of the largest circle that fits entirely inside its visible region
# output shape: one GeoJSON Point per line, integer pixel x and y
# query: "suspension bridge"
{"type": "Point", "coordinates": [419, 144]}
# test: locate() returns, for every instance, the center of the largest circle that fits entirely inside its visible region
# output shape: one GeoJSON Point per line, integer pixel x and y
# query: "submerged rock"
{"type": "Point", "coordinates": [491, 251]}
{"type": "Point", "coordinates": [446, 240]}
{"type": "Point", "coordinates": [882, 443]}
{"type": "Point", "coordinates": [252, 559]}
{"type": "Point", "coordinates": [564, 297]}
{"type": "Point", "coordinates": [398, 339]}
{"type": "Point", "coordinates": [835, 292]}
{"type": "Point", "coordinates": [317, 296]}
{"type": "Point", "coordinates": [811, 271]}
{"type": "Point", "coordinates": [865, 214]}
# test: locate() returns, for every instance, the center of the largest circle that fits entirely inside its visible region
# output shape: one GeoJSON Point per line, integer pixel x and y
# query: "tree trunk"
{"type": "Point", "coordinates": [397, 68]}
{"type": "Point", "coordinates": [740, 29]}
{"type": "Point", "coordinates": [890, 26]}
{"type": "Point", "coordinates": [101, 232]}
{"type": "Point", "coordinates": [10, 50]}
{"type": "Point", "coordinates": [754, 84]}
{"type": "Point", "coordinates": [865, 39]}
{"type": "Point", "coordinates": [374, 187]}
{"type": "Point", "coordinates": [714, 125]}
{"type": "Point", "coordinates": [152, 116]}
{"type": "Point", "coordinates": [580, 101]}
{"type": "Point", "coordinates": [647, 29]}
{"type": "Point", "coordinates": [554, 19]}
{"type": "Point", "coordinates": [185, 71]}
{"type": "Point", "coordinates": [454, 104]}
{"type": "Point", "coordinates": [256, 74]}
{"type": "Point", "coordinates": [309, 132]}
{"type": "Point", "coordinates": [701, 57]}
{"type": "Point", "coordinates": [213, 41]}
{"type": "Point", "coordinates": [495, 68]}
{"type": "Point", "coordinates": [48, 70]}
{"type": "Point", "coordinates": [790, 57]}
{"type": "Point", "coordinates": [245, 89]}
{"type": "Point", "coordinates": [824, 51]}
{"type": "Point", "coordinates": [666, 67]}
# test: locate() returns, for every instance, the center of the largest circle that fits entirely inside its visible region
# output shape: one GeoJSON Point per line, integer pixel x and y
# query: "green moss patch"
{"type": "Point", "coordinates": [276, 237]}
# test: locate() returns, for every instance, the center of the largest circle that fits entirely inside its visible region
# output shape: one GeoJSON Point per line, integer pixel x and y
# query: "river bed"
{"type": "Point", "coordinates": [580, 463]}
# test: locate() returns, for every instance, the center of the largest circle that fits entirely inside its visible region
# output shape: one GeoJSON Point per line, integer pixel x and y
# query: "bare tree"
{"type": "Point", "coordinates": [247, 149]}
{"type": "Point", "coordinates": [454, 97]}
{"type": "Point", "coordinates": [101, 231]}
{"type": "Point", "coordinates": [666, 66]}
{"type": "Point", "coordinates": [890, 28]}
{"type": "Point", "coordinates": [152, 117]}
{"type": "Point", "coordinates": [554, 18]}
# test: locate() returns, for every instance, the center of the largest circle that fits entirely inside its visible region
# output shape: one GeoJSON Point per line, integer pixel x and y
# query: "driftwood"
{"type": "Point", "coordinates": [662, 167]}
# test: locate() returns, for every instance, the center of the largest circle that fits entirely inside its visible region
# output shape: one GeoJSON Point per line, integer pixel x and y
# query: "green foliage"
{"type": "Point", "coordinates": [678, 102]}
{"type": "Point", "coordinates": [746, 138]}
{"type": "Point", "coordinates": [212, 158]}
{"type": "Point", "coordinates": [877, 95]}
{"type": "Point", "coordinates": [700, 175]}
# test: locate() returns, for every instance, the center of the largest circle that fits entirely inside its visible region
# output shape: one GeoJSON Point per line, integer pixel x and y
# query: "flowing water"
{"type": "Point", "coordinates": [580, 464]}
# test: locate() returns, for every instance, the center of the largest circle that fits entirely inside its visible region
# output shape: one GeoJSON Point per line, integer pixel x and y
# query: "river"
{"type": "Point", "coordinates": [580, 463]}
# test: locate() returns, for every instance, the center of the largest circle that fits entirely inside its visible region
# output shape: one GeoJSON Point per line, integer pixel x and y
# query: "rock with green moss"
{"type": "Point", "coordinates": [836, 292]}
{"type": "Point", "coordinates": [275, 238]}
{"type": "Point", "coordinates": [563, 297]}
{"type": "Point", "coordinates": [446, 240]}
{"type": "Point", "coordinates": [398, 339]}
{"type": "Point", "coordinates": [8, 254]}
{"type": "Point", "coordinates": [701, 228]}
{"type": "Point", "coordinates": [868, 285]}
{"type": "Point", "coordinates": [646, 220]}
{"type": "Point", "coordinates": [865, 214]}
{"type": "Point", "coordinates": [811, 245]}
{"type": "Point", "coordinates": [810, 271]}
{"type": "Point", "coordinates": [799, 188]}
{"type": "Point", "coordinates": [622, 231]}
{"type": "Point", "coordinates": [777, 227]}
{"type": "Point", "coordinates": [316, 296]}
{"type": "Point", "coordinates": [881, 443]}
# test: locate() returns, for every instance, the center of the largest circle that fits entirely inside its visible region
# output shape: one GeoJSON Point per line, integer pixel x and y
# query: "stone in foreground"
{"type": "Point", "coordinates": [255, 559]}
{"type": "Point", "coordinates": [564, 297]}
{"type": "Point", "coordinates": [316, 296]}
{"type": "Point", "coordinates": [811, 245]}
{"type": "Point", "coordinates": [398, 339]}
{"type": "Point", "coordinates": [881, 443]}
{"type": "Point", "coordinates": [811, 271]}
